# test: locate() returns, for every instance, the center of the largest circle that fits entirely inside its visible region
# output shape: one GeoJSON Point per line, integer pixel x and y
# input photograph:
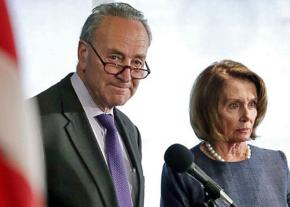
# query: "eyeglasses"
{"type": "Point", "coordinates": [115, 69]}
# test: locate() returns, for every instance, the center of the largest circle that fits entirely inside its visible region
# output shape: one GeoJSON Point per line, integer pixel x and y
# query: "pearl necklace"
{"type": "Point", "coordinates": [218, 157]}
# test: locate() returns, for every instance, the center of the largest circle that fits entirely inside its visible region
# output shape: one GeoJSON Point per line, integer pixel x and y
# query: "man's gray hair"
{"type": "Point", "coordinates": [123, 10]}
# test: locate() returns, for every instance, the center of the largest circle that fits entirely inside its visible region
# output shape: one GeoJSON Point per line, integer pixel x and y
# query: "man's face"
{"type": "Point", "coordinates": [120, 41]}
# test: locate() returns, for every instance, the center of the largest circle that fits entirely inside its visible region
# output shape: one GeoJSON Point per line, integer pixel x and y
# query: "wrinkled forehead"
{"type": "Point", "coordinates": [238, 88]}
{"type": "Point", "coordinates": [122, 29]}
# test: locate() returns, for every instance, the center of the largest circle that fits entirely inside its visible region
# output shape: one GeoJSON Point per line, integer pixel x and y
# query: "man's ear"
{"type": "Point", "coordinates": [83, 53]}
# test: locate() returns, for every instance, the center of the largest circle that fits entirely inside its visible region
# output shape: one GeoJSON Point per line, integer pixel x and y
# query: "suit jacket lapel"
{"type": "Point", "coordinates": [130, 146]}
{"type": "Point", "coordinates": [132, 149]}
{"type": "Point", "coordinates": [83, 139]}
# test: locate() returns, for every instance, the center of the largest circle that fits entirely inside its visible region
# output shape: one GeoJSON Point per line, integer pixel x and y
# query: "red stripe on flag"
{"type": "Point", "coordinates": [17, 186]}
{"type": "Point", "coordinates": [12, 182]}
{"type": "Point", "coordinates": [6, 34]}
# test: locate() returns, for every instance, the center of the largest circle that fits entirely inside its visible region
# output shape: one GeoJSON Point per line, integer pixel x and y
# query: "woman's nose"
{"type": "Point", "coordinates": [245, 115]}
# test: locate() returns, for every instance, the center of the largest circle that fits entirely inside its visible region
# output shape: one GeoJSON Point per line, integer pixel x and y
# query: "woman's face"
{"type": "Point", "coordinates": [237, 109]}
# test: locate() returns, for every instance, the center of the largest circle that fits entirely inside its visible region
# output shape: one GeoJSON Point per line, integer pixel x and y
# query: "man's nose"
{"type": "Point", "coordinates": [125, 75]}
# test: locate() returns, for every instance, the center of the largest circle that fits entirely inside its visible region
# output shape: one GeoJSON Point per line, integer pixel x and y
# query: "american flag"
{"type": "Point", "coordinates": [21, 154]}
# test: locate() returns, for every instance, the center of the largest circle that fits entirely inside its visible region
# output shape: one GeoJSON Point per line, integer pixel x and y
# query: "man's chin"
{"type": "Point", "coordinates": [119, 101]}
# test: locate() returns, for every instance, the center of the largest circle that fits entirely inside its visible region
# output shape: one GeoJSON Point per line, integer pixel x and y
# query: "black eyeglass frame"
{"type": "Point", "coordinates": [124, 67]}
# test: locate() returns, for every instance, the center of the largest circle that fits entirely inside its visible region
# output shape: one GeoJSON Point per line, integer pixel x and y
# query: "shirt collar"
{"type": "Point", "coordinates": [85, 98]}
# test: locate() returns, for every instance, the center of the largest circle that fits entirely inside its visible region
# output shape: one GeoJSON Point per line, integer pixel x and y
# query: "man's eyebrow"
{"type": "Point", "coordinates": [118, 52]}
{"type": "Point", "coordinates": [115, 51]}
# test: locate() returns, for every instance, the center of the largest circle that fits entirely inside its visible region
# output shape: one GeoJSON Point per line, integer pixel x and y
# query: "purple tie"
{"type": "Point", "coordinates": [115, 160]}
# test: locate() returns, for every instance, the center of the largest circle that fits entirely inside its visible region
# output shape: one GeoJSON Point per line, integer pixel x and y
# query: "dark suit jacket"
{"type": "Point", "coordinates": [77, 175]}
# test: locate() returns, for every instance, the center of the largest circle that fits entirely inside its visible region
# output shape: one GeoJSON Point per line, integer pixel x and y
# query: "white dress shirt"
{"type": "Point", "coordinates": [92, 110]}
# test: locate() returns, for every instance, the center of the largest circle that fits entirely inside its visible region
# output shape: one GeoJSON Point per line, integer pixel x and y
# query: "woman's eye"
{"type": "Point", "coordinates": [233, 105]}
{"type": "Point", "coordinates": [253, 104]}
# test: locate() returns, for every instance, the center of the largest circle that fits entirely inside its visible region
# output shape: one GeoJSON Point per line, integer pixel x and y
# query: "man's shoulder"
{"type": "Point", "coordinates": [123, 119]}
{"type": "Point", "coordinates": [51, 97]}
{"type": "Point", "coordinates": [121, 116]}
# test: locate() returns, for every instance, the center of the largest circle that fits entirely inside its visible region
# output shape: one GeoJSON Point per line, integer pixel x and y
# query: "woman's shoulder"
{"type": "Point", "coordinates": [268, 154]}
{"type": "Point", "coordinates": [196, 150]}
{"type": "Point", "coordinates": [264, 151]}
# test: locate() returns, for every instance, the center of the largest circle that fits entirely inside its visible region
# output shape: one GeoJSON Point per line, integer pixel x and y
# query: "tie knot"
{"type": "Point", "coordinates": [107, 121]}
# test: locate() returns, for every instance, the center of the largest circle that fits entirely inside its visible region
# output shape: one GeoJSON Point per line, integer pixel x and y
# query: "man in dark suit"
{"type": "Point", "coordinates": [111, 61]}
